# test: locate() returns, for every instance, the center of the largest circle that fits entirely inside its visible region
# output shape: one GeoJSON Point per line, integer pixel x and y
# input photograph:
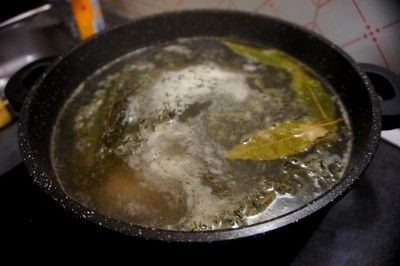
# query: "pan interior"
{"type": "Point", "coordinates": [144, 139]}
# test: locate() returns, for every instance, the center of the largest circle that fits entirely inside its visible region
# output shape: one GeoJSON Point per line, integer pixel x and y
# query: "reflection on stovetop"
{"type": "Point", "coordinates": [362, 228]}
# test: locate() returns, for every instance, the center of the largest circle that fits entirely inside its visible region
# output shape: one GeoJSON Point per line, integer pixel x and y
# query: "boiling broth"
{"type": "Point", "coordinates": [160, 137]}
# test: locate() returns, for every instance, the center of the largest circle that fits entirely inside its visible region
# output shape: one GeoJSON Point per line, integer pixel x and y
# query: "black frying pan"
{"type": "Point", "coordinates": [41, 106]}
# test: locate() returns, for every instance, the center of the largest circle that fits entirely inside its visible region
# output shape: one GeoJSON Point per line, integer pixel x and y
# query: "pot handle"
{"type": "Point", "coordinates": [22, 81]}
{"type": "Point", "coordinates": [387, 85]}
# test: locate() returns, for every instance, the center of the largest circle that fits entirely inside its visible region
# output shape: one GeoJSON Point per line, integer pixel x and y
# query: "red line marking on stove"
{"type": "Point", "coordinates": [313, 25]}
{"type": "Point", "coordinates": [374, 39]}
{"type": "Point", "coordinates": [316, 13]}
{"type": "Point", "coordinates": [390, 24]}
{"type": "Point", "coordinates": [272, 6]}
{"type": "Point", "coordinates": [351, 42]}
{"type": "Point", "coordinates": [308, 24]}
{"type": "Point", "coordinates": [385, 61]}
{"type": "Point", "coordinates": [266, 3]}
{"type": "Point", "coordinates": [318, 29]}
{"type": "Point", "coordinates": [359, 11]}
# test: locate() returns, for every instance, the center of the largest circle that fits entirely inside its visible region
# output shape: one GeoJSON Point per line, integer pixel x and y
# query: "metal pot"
{"type": "Point", "coordinates": [44, 101]}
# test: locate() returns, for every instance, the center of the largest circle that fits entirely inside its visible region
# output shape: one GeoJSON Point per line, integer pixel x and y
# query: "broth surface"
{"type": "Point", "coordinates": [158, 137]}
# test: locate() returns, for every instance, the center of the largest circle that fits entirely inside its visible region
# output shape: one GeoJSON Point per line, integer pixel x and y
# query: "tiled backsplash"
{"type": "Point", "coordinates": [369, 30]}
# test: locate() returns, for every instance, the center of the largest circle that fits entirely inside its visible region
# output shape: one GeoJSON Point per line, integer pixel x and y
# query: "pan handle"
{"type": "Point", "coordinates": [387, 85]}
{"type": "Point", "coordinates": [20, 83]}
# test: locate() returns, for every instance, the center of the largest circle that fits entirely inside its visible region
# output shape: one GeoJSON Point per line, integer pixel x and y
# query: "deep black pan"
{"type": "Point", "coordinates": [43, 103]}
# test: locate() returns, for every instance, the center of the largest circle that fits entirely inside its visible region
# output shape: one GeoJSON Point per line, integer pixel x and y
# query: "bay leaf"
{"type": "Point", "coordinates": [99, 124]}
{"type": "Point", "coordinates": [315, 100]}
{"type": "Point", "coordinates": [282, 139]}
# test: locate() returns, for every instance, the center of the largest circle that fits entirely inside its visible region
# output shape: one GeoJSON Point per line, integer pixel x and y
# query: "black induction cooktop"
{"type": "Point", "coordinates": [363, 228]}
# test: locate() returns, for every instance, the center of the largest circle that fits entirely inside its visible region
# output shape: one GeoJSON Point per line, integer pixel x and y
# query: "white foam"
{"type": "Point", "coordinates": [175, 157]}
{"type": "Point", "coordinates": [143, 66]}
{"type": "Point", "coordinates": [175, 90]}
{"type": "Point", "coordinates": [249, 67]}
{"type": "Point", "coordinates": [179, 49]}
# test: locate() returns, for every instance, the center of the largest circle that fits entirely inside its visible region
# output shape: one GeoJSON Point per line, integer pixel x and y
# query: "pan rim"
{"type": "Point", "coordinates": [334, 193]}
